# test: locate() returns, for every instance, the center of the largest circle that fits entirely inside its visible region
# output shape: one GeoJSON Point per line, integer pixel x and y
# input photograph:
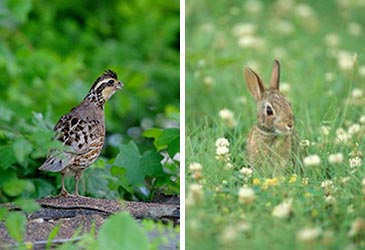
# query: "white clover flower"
{"type": "Point", "coordinates": [246, 171]}
{"type": "Point", "coordinates": [252, 42]}
{"type": "Point", "coordinates": [330, 200]}
{"type": "Point", "coordinates": [222, 151]}
{"type": "Point", "coordinates": [196, 170]}
{"type": "Point", "coordinates": [227, 117]}
{"type": "Point", "coordinates": [195, 166]}
{"type": "Point", "coordinates": [341, 136]}
{"type": "Point", "coordinates": [305, 143]}
{"type": "Point", "coordinates": [357, 227]}
{"type": "Point", "coordinates": [357, 93]}
{"type": "Point", "coordinates": [362, 70]}
{"type": "Point", "coordinates": [242, 29]}
{"type": "Point", "coordinates": [332, 39]}
{"type": "Point", "coordinates": [285, 87]}
{"type": "Point", "coordinates": [329, 76]}
{"type": "Point", "coordinates": [312, 160]}
{"type": "Point", "coordinates": [325, 130]}
{"type": "Point", "coordinates": [229, 234]}
{"type": "Point", "coordinates": [221, 142]}
{"type": "Point", "coordinates": [304, 11]}
{"type": "Point", "coordinates": [283, 27]}
{"type": "Point", "coordinates": [363, 182]}
{"type": "Point", "coordinates": [253, 6]}
{"type": "Point", "coordinates": [208, 81]}
{"type": "Point", "coordinates": [328, 187]}
{"type": "Point", "coordinates": [228, 166]}
{"type": "Point", "coordinates": [354, 29]}
{"type": "Point", "coordinates": [201, 63]}
{"type": "Point", "coordinates": [346, 60]}
{"type": "Point", "coordinates": [246, 195]}
{"type": "Point", "coordinates": [195, 192]}
{"type": "Point", "coordinates": [362, 119]}
{"type": "Point", "coordinates": [308, 234]}
{"type": "Point", "coordinates": [354, 129]}
{"type": "Point", "coordinates": [284, 6]}
{"type": "Point", "coordinates": [242, 100]}
{"type": "Point", "coordinates": [346, 179]}
{"type": "Point", "coordinates": [335, 158]}
{"type": "Point", "coordinates": [355, 162]}
{"type": "Point", "coordinates": [243, 226]}
{"type": "Point", "coordinates": [283, 210]}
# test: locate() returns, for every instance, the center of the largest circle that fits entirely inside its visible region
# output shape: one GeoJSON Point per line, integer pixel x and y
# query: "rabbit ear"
{"type": "Point", "coordinates": [254, 83]}
{"type": "Point", "coordinates": [275, 75]}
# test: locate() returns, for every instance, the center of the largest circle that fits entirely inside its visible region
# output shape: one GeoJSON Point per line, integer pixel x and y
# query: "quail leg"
{"type": "Point", "coordinates": [77, 179]}
{"type": "Point", "coordinates": [64, 192]}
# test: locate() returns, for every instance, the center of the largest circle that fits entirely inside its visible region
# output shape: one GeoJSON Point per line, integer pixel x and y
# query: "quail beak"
{"type": "Point", "coordinates": [120, 85]}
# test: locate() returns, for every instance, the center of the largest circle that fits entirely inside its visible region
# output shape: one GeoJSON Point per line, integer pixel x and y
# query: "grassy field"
{"type": "Point", "coordinates": [320, 45]}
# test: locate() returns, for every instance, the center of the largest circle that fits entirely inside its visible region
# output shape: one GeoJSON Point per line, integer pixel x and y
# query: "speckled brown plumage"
{"type": "Point", "coordinates": [82, 131]}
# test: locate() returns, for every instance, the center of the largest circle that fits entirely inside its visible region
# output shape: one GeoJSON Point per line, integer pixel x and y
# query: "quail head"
{"type": "Point", "coordinates": [82, 132]}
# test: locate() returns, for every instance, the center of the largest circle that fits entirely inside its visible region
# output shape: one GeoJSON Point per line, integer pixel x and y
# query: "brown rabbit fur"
{"type": "Point", "coordinates": [273, 143]}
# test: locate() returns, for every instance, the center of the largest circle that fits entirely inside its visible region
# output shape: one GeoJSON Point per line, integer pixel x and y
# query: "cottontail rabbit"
{"type": "Point", "coordinates": [273, 143]}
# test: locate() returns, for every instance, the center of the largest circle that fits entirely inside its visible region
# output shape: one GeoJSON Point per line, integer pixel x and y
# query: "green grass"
{"type": "Point", "coordinates": [323, 93]}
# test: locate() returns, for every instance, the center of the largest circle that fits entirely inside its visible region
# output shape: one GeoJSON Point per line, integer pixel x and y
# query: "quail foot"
{"type": "Point", "coordinates": [82, 132]}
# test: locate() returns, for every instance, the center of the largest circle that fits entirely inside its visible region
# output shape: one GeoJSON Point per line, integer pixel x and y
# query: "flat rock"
{"type": "Point", "coordinates": [81, 213]}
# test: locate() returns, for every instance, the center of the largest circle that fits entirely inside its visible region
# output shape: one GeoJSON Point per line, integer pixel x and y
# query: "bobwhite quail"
{"type": "Point", "coordinates": [82, 131]}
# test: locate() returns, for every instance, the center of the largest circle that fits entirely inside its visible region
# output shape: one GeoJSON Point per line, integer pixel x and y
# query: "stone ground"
{"type": "Point", "coordinates": [75, 211]}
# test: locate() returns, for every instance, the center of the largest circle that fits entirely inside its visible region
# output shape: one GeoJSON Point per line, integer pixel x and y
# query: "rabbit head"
{"type": "Point", "coordinates": [274, 112]}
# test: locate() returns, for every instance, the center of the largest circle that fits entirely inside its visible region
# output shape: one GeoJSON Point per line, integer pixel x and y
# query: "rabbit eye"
{"type": "Point", "coordinates": [269, 110]}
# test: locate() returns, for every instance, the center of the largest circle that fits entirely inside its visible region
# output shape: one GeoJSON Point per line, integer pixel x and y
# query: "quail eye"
{"type": "Point", "coordinates": [269, 110]}
{"type": "Point", "coordinates": [110, 82]}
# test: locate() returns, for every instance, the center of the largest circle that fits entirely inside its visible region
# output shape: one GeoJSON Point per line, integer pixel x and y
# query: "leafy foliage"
{"type": "Point", "coordinates": [51, 52]}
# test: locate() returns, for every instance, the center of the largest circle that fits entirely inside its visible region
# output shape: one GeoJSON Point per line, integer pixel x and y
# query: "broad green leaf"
{"type": "Point", "coordinates": [3, 212]}
{"type": "Point", "coordinates": [174, 147]}
{"type": "Point", "coordinates": [27, 205]}
{"type": "Point", "coordinates": [15, 223]}
{"type": "Point", "coordinates": [16, 187]}
{"type": "Point", "coordinates": [121, 231]}
{"type": "Point", "coordinates": [138, 166]}
{"type": "Point", "coordinates": [167, 136]}
{"type": "Point", "coordinates": [151, 163]}
{"type": "Point", "coordinates": [152, 133]}
{"type": "Point", "coordinates": [7, 157]}
{"type": "Point", "coordinates": [20, 8]}
{"type": "Point", "coordinates": [22, 149]}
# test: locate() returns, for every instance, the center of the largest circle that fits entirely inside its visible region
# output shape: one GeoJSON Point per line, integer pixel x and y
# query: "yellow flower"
{"type": "Point", "coordinates": [293, 178]}
{"type": "Point", "coordinates": [256, 181]}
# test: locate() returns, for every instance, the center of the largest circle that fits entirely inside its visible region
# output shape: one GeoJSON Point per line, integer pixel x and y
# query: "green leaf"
{"type": "Point", "coordinates": [20, 8]}
{"type": "Point", "coordinates": [7, 157]}
{"type": "Point", "coordinates": [167, 136]}
{"type": "Point", "coordinates": [15, 223]}
{"type": "Point", "coordinates": [138, 166]}
{"type": "Point", "coordinates": [3, 212]}
{"type": "Point", "coordinates": [16, 187]}
{"type": "Point", "coordinates": [152, 133]}
{"type": "Point", "coordinates": [121, 231]}
{"type": "Point", "coordinates": [52, 235]}
{"type": "Point", "coordinates": [27, 205]}
{"type": "Point", "coordinates": [151, 163]}
{"type": "Point", "coordinates": [22, 149]}
{"type": "Point", "coordinates": [174, 147]}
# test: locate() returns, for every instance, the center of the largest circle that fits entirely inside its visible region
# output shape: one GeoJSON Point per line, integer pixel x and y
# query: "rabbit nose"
{"type": "Point", "coordinates": [290, 126]}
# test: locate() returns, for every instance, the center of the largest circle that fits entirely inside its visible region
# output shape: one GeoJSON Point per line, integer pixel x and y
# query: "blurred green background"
{"type": "Point", "coordinates": [50, 54]}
